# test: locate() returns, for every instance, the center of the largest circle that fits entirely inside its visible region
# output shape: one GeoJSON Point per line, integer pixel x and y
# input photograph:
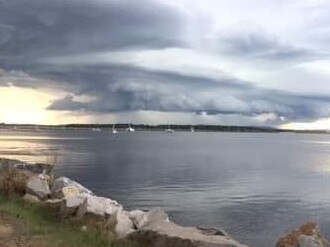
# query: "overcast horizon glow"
{"type": "Point", "coordinates": [174, 61]}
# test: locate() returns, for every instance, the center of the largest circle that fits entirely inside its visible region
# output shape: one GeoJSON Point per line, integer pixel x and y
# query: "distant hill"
{"type": "Point", "coordinates": [161, 127]}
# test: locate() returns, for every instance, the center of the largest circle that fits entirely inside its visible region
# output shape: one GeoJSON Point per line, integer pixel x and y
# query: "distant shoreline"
{"type": "Point", "coordinates": [161, 127]}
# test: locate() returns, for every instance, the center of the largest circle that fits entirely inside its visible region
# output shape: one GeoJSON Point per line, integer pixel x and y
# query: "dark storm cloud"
{"type": "Point", "coordinates": [291, 106]}
{"type": "Point", "coordinates": [33, 29]}
{"type": "Point", "coordinates": [122, 88]}
{"type": "Point", "coordinates": [128, 88]}
{"type": "Point", "coordinates": [67, 104]}
{"type": "Point", "coordinates": [263, 46]}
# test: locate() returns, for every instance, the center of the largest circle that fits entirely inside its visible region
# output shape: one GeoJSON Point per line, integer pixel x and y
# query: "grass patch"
{"type": "Point", "coordinates": [43, 223]}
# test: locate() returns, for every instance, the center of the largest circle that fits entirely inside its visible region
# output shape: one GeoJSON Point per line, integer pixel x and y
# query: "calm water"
{"type": "Point", "coordinates": [256, 186]}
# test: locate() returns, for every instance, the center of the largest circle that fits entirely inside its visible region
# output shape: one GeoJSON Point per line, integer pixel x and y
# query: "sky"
{"type": "Point", "coordinates": [230, 62]}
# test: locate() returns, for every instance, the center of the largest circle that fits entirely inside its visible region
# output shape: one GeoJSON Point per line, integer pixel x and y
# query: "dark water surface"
{"type": "Point", "coordinates": [256, 186]}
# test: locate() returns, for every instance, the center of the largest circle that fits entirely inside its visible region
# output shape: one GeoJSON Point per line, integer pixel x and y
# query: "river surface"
{"type": "Point", "coordinates": [256, 186]}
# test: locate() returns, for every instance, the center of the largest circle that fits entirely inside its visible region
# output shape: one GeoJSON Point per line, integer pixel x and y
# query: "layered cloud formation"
{"type": "Point", "coordinates": [223, 62]}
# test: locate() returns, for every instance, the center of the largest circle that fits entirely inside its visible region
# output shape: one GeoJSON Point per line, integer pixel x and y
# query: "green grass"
{"type": "Point", "coordinates": [43, 223]}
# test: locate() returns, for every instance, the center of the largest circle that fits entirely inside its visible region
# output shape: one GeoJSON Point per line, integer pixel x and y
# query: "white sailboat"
{"type": "Point", "coordinates": [192, 129]}
{"type": "Point", "coordinates": [113, 130]}
{"type": "Point", "coordinates": [129, 128]}
{"type": "Point", "coordinates": [169, 130]}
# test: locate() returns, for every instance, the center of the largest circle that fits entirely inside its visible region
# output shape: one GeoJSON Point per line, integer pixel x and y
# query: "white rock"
{"type": "Point", "coordinates": [137, 217]}
{"type": "Point", "coordinates": [124, 225]}
{"type": "Point", "coordinates": [154, 215]}
{"type": "Point", "coordinates": [38, 186]}
{"type": "Point", "coordinates": [63, 187]}
{"type": "Point", "coordinates": [74, 202]}
{"type": "Point", "coordinates": [71, 204]}
{"type": "Point", "coordinates": [99, 206]}
{"type": "Point", "coordinates": [70, 191]}
{"type": "Point", "coordinates": [30, 198]}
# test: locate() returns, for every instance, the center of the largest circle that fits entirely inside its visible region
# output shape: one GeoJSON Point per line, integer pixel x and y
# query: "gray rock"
{"type": "Point", "coordinates": [154, 229]}
{"type": "Point", "coordinates": [70, 205]}
{"type": "Point", "coordinates": [137, 217]}
{"type": "Point", "coordinates": [31, 198]}
{"type": "Point", "coordinates": [38, 186]}
{"type": "Point", "coordinates": [308, 241]}
{"type": "Point", "coordinates": [141, 218]}
{"type": "Point", "coordinates": [168, 234]}
{"type": "Point", "coordinates": [98, 206]}
{"type": "Point", "coordinates": [124, 226]}
{"type": "Point", "coordinates": [64, 187]}
{"type": "Point", "coordinates": [69, 191]}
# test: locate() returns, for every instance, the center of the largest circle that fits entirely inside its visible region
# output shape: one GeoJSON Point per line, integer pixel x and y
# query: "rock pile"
{"type": "Point", "coordinates": [149, 229]}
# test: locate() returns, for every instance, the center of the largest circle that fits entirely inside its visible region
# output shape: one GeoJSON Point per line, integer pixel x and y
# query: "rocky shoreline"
{"type": "Point", "coordinates": [151, 228]}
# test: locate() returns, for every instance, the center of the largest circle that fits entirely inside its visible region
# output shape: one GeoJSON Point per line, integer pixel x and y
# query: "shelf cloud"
{"type": "Point", "coordinates": [108, 57]}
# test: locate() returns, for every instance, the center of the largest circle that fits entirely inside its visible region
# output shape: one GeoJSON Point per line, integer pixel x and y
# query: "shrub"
{"type": "Point", "coordinates": [13, 181]}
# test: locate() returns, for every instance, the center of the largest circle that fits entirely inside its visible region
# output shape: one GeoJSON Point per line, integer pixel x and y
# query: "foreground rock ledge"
{"type": "Point", "coordinates": [166, 234]}
{"type": "Point", "coordinates": [156, 230]}
{"type": "Point", "coordinates": [148, 229]}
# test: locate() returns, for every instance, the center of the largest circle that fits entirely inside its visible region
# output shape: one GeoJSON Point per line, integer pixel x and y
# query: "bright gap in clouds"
{"type": "Point", "coordinates": [28, 106]}
{"type": "Point", "coordinates": [24, 106]}
{"type": "Point", "coordinates": [320, 124]}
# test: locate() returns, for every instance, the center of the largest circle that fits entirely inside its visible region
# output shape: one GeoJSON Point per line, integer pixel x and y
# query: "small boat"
{"type": "Point", "coordinates": [113, 130]}
{"type": "Point", "coordinates": [96, 129]}
{"type": "Point", "coordinates": [129, 128]}
{"type": "Point", "coordinates": [169, 130]}
{"type": "Point", "coordinates": [192, 129]}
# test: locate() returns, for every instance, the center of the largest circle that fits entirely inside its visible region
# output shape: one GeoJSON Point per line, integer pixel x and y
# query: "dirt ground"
{"type": "Point", "coordinates": [13, 233]}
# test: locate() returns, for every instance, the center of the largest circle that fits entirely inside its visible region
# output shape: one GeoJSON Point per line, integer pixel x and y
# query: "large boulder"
{"type": "Point", "coordinates": [169, 234]}
{"type": "Point", "coordinates": [141, 218]}
{"type": "Point", "coordinates": [124, 225]}
{"type": "Point", "coordinates": [100, 206]}
{"type": "Point", "coordinates": [70, 205]}
{"type": "Point", "coordinates": [38, 186]}
{"type": "Point", "coordinates": [70, 191]}
{"type": "Point", "coordinates": [137, 217]}
{"type": "Point", "coordinates": [307, 235]}
{"type": "Point", "coordinates": [65, 187]}
{"type": "Point", "coordinates": [100, 213]}
{"type": "Point", "coordinates": [154, 229]}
